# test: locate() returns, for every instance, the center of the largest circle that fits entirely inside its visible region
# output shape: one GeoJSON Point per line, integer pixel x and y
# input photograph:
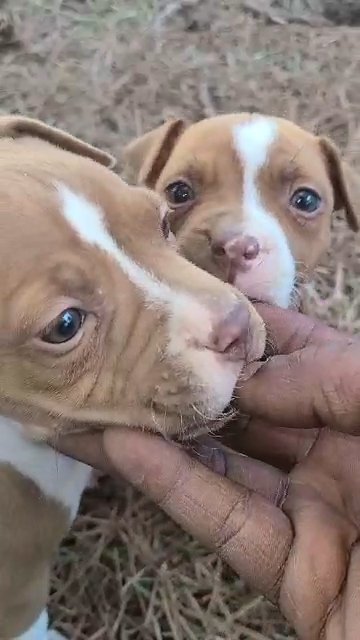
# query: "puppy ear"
{"type": "Point", "coordinates": [145, 157]}
{"type": "Point", "coordinates": [346, 184]}
{"type": "Point", "coordinates": [19, 126]}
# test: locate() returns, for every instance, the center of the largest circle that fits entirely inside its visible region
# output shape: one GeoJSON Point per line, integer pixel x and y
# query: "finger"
{"type": "Point", "coordinates": [85, 447]}
{"type": "Point", "coordinates": [346, 613]}
{"type": "Point", "coordinates": [281, 448]}
{"type": "Point", "coordinates": [290, 331]}
{"type": "Point", "coordinates": [317, 565]}
{"type": "Point", "coordinates": [250, 534]}
{"type": "Point", "coordinates": [257, 476]}
{"type": "Point", "coordinates": [312, 388]}
{"type": "Point", "coordinates": [262, 478]}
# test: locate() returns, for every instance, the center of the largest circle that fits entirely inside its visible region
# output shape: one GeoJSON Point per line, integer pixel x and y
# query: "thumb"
{"type": "Point", "coordinates": [289, 330]}
{"type": "Point", "coordinates": [314, 387]}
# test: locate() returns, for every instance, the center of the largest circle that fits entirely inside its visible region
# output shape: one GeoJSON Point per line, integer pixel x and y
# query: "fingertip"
{"type": "Point", "coordinates": [286, 329]}
{"type": "Point", "coordinates": [289, 330]}
{"type": "Point", "coordinates": [84, 447]}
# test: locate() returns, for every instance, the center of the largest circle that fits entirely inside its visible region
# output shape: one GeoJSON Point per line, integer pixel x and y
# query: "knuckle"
{"type": "Point", "coordinates": [282, 492]}
{"type": "Point", "coordinates": [233, 521]}
{"type": "Point", "coordinates": [301, 335]}
{"type": "Point", "coordinates": [340, 388]}
{"type": "Point", "coordinates": [179, 478]}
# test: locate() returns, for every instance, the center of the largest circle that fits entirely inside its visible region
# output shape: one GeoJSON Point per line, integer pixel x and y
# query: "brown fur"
{"type": "Point", "coordinates": [20, 127]}
{"type": "Point", "coordinates": [203, 154]}
{"type": "Point", "coordinates": [31, 524]}
{"type": "Point", "coordinates": [45, 261]}
{"type": "Point", "coordinates": [120, 371]}
{"type": "Point", "coordinates": [31, 528]}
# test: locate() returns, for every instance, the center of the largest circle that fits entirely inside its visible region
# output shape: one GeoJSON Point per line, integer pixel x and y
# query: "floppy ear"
{"type": "Point", "coordinates": [19, 126]}
{"type": "Point", "coordinates": [346, 184]}
{"type": "Point", "coordinates": [145, 157]}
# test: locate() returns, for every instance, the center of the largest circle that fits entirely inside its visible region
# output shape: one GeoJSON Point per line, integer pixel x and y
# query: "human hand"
{"type": "Point", "coordinates": [311, 382]}
{"type": "Point", "coordinates": [292, 536]}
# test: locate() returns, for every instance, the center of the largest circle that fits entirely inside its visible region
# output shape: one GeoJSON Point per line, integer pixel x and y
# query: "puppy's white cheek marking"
{"type": "Point", "coordinates": [252, 143]}
{"type": "Point", "coordinates": [54, 474]}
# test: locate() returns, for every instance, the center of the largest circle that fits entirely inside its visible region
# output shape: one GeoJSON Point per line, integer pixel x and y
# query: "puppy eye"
{"type": "Point", "coordinates": [64, 327]}
{"type": "Point", "coordinates": [179, 193]}
{"type": "Point", "coordinates": [306, 201]}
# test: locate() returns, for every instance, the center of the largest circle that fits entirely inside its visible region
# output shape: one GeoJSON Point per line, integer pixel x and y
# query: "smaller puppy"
{"type": "Point", "coordinates": [251, 197]}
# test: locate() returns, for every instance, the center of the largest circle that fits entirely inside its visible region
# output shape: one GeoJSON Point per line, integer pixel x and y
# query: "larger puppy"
{"type": "Point", "coordinates": [101, 322]}
{"type": "Point", "coordinates": [252, 197]}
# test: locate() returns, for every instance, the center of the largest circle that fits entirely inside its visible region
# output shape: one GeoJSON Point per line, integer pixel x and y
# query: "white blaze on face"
{"type": "Point", "coordinates": [87, 219]}
{"type": "Point", "coordinates": [272, 276]}
{"type": "Point", "coordinates": [189, 321]}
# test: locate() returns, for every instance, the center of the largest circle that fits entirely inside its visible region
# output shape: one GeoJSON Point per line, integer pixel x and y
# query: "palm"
{"type": "Point", "coordinates": [322, 573]}
{"type": "Point", "coordinates": [314, 476]}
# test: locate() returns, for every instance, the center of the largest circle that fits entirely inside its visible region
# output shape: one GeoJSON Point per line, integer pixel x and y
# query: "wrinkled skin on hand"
{"type": "Point", "coordinates": [287, 519]}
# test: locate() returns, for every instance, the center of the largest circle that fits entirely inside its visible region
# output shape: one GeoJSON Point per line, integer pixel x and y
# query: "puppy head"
{"type": "Point", "coordinates": [101, 321]}
{"type": "Point", "coordinates": [251, 197]}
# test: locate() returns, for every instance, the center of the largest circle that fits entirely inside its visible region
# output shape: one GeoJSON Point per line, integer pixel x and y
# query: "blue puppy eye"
{"type": "Point", "coordinates": [64, 327]}
{"type": "Point", "coordinates": [306, 201]}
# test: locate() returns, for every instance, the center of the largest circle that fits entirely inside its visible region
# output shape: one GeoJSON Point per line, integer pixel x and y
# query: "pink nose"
{"type": "Point", "coordinates": [240, 250]}
{"type": "Point", "coordinates": [232, 334]}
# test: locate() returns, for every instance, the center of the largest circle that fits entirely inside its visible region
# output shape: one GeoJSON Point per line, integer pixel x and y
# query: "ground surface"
{"type": "Point", "coordinates": [107, 69]}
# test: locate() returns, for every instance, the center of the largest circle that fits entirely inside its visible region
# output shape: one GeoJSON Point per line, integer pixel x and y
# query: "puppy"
{"type": "Point", "coordinates": [251, 197]}
{"type": "Point", "coordinates": [101, 323]}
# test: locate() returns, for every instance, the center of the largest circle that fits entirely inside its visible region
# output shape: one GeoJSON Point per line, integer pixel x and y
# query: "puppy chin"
{"type": "Point", "coordinates": [51, 433]}
{"type": "Point", "coordinates": [202, 428]}
{"type": "Point", "coordinates": [36, 433]}
{"type": "Point", "coordinates": [258, 286]}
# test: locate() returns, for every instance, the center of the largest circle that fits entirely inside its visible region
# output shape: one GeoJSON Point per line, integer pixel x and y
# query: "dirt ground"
{"type": "Point", "coordinates": [106, 70]}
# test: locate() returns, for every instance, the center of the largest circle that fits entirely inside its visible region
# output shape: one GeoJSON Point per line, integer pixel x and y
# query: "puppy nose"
{"type": "Point", "coordinates": [240, 250]}
{"type": "Point", "coordinates": [230, 336]}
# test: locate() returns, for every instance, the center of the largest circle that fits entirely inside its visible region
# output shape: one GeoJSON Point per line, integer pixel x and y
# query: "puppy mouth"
{"type": "Point", "coordinates": [202, 428]}
{"type": "Point", "coordinates": [257, 300]}
{"type": "Point", "coordinates": [295, 300]}
{"type": "Point", "coordinates": [181, 421]}
{"type": "Point", "coordinates": [262, 298]}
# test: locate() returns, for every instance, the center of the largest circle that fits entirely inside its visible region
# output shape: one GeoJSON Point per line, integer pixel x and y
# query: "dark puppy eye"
{"type": "Point", "coordinates": [306, 201]}
{"type": "Point", "coordinates": [179, 193]}
{"type": "Point", "coordinates": [64, 327]}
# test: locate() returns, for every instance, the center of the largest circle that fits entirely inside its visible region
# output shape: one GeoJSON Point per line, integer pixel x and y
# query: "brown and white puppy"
{"type": "Point", "coordinates": [251, 197]}
{"type": "Point", "coordinates": [101, 322]}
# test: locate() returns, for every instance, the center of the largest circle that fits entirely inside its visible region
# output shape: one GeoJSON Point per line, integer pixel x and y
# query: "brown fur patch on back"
{"type": "Point", "coordinates": [31, 528]}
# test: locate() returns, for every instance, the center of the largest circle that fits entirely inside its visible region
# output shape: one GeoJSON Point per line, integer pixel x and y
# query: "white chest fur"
{"type": "Point", "coordinates": [56, 475]}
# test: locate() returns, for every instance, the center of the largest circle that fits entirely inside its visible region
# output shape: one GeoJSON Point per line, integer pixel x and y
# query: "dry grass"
{"type": "Point", "coordinates": [107, 69]}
